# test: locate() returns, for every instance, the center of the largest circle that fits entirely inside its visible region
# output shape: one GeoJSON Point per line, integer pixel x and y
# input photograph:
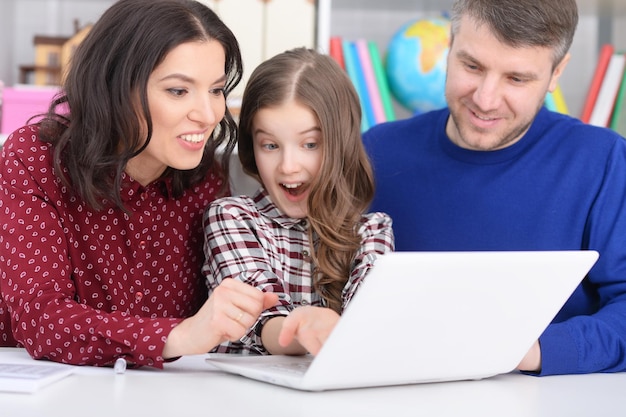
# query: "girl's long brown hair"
{"type": "Point", "coordinates": [344, 187]}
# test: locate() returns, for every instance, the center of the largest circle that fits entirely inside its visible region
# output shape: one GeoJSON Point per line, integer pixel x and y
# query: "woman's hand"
{"type": "Point", "coordinates": [227, 315]}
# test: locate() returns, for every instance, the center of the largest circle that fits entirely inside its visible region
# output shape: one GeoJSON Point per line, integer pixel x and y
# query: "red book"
{"type": "Point", "coordinates": [606, 52]}
{"type": "Point", "coordinates": [336, 51]}
{"type": "Point", "coordinates": [602, 111]}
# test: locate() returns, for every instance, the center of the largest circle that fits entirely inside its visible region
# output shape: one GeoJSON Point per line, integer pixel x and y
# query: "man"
{"type": "Point", "coordinates": [497, 171]}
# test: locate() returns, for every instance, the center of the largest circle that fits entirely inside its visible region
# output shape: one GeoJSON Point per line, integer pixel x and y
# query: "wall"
{"type": "Point", "coordinates": [600, 21]}
{"type": "Point", "coordinates": [39, 17]}
{"type": "Point", "coordinates": [288, 23]}
{"type": "Point", "coordinates": [6, 39]}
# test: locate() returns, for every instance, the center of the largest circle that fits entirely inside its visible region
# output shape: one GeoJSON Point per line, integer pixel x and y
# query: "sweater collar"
{"type": "Point", "coordinates": [509, 153]}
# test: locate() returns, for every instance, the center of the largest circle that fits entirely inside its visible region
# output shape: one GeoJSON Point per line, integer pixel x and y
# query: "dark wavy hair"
{"type": "Point", "coordinates": [344, 186]}
{"type": "Point", "coordinates": [105, 88]}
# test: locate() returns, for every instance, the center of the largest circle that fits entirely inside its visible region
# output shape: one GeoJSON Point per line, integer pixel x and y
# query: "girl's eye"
{"type": "Point", "coordinates": [178, 92]}
{"type": "Point", "coordinates": [311, 145]}
{"type": "Point", "coordinates": [270, 146]}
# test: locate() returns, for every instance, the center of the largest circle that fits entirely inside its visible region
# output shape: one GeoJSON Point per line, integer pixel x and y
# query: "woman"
{"type": "Point", "coordinates": [101, 202]}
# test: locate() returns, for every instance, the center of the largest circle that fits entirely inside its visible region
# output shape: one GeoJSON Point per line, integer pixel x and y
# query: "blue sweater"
{"type": "Point", "coordinates": [561, 187]}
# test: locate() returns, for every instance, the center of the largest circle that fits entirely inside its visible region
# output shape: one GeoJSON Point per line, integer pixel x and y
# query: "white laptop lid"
{"type": "Point", "coordinates": [435, 316]}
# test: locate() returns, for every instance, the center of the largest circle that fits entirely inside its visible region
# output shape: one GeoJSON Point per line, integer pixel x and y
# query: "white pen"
{"type": "Point", "coordinates": [120, 366]}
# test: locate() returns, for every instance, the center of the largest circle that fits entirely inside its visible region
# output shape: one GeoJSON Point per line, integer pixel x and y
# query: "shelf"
{"type": "Point", "coordinates": [600, 21]}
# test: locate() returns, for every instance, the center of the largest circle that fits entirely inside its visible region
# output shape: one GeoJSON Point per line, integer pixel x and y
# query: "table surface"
{"type": "Point", "coordinates": [190, 385]}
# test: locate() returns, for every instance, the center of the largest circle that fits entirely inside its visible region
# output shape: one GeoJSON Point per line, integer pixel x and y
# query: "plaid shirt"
{"type": "Point", "coordinates": [248, 238]}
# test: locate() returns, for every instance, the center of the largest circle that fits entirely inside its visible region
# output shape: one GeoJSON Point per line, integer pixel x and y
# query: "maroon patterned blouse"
{"type": "Point", "coordinates": [86, 287]}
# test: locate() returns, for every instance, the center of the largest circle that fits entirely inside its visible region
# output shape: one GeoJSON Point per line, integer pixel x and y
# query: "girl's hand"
{"type": "Point", "coordinates": [310, 326]}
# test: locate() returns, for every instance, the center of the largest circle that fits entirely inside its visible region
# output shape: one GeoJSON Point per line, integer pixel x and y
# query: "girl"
{"type": "Point", "coordinates": [101, 207]}
{"type": "Point", "coordinates": [304, 234]}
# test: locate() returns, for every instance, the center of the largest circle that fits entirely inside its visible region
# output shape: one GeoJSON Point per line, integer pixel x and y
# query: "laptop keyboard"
{"type": "Point", "coordinates": [298, 367]}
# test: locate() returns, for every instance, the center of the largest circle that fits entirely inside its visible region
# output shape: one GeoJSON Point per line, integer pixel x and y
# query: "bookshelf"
{"type": "Point", "coordinates": [601, 21]}
{"type": "Point", "coordinates": [263, 30]}
{"type": "Point", "coordinates": [266, 28]}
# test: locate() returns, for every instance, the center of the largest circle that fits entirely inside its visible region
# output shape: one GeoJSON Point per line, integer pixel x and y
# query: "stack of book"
{"type": "Point", "coordinates": [556, 102]}
{"type": "Point", "coordinates": [604, 104]}
{"type": "Point", "coordinates": [362, 61]}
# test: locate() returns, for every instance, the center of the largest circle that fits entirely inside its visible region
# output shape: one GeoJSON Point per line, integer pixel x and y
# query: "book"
{"type": "Point", "coordinates": [603, 109]}
{"type": "Point", "coordinates": [559, 100]}
{"type": "Point", "coordinates": [381, 79]}
{"type": "Point", "coordinates": [356, 76]}
{"type": "Point", "coordinates": [336, 52]}
{"type": "Point", "coordinates": [366, 102]}
{"type": "Point", "coordinates": [549, 102]}
{"type": "Point", "coordinates": [618, 119]}
{"type": "Point", "coordinates": [370, 81]}
{"type": "Point", "coordinates": [555, 101]}
{"type": "Point", "coordinates": [28, 378]}
{"type": "Point", "coordinates": [606, 52]}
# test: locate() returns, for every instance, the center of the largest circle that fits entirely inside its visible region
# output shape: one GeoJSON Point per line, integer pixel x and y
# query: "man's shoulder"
{"type": "Point", "coordinates": [568, 132]}
{"type": "Point", "coordinates": [570, 126]}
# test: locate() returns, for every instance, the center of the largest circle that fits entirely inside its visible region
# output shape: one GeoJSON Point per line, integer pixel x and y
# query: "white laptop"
{"type": "Point", "coordinates": [431, 316]}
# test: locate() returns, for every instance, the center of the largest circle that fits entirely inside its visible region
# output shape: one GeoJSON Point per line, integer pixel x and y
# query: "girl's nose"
{"type": "Point", "coordinates": [289, 162]}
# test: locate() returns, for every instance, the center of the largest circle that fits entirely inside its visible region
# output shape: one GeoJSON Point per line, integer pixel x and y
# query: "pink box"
{"type": "Point", "coordinates": [20, 103]}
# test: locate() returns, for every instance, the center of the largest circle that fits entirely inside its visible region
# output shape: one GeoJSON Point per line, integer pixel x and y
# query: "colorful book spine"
{"type": "Point", "coordinates": [351, 63]}
{"type": "Point", "coordinates": [618, 119]}
{"type": "Point", "coordinates": [368, 110]}
{"type": "Point", "coordinates": [601, 114]}
{"type": "Point", "coordinates": [381, 79]}
{"type": "Point", "coordinates": [336, 51]}
{"type": "Point", "coordinates": [549, 102]}
{"type": "Point", "coordinates": [370, 81]}
{"type": "Point", "coordinates": [559, 100]}
{"type": "Point", "coordinates": [606, 52]}
{"type": "Point", "coordinates": [555, 101]}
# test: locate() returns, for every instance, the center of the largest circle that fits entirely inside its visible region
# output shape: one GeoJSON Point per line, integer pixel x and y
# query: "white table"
{"type": "Point", "coordinates": [190, 387]}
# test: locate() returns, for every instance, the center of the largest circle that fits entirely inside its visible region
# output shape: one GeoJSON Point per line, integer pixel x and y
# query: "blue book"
{"type": "Point", "coordinates": [549, 102]}
{"type": "Point", "coordinates": [353, 68]}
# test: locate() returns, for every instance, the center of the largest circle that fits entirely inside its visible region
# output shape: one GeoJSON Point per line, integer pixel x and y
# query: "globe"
{"type": "Point", "coordinates": [416, 64]}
